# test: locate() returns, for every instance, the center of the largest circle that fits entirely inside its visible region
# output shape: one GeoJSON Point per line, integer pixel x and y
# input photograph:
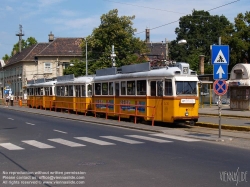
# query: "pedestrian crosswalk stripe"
{"type": "Point", "coordinates": [38, 144]}
{"type": "Point", "coordinates": [176, 137]}
{"type": "Point", "coordinates": [95, 141]}
{"type": "Point", "coordinates": [66, 142]}
{"type": "Point", "coordinates": [149, 139]}
{"type": "Point", "coordinates": [11, 146]}
{"type": "Point", "coordinates": [122, 139]}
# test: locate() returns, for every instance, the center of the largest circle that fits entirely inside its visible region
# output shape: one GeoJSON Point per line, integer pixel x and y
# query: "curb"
{"type": "Point", "coordinates": [224, 115]}
{"type": "Point", "coordinates": [226, 127]}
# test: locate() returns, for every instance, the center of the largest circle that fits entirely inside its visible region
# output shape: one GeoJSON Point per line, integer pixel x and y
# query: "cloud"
{"type": "Point", "coordinates": [45, 3]}
{"type": "Point", "coordinates": [68, 13]}
{"type": "Point", "coordinates": [69, 24]}
{"type": "Point", "coordinates": [8, 8]}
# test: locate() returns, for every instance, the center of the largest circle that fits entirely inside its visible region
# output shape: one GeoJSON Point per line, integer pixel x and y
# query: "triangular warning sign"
{"type": "Point", "coordinates": [220, 59]}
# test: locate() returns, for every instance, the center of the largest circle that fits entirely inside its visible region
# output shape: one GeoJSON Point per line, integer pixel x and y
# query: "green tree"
{"type": "Point", "coordinates": [117, 31]}
{"type": "Point", "coordinates": [200, 30]}
{"type": "Point", "coordinates": [6, 57]}
{"type": "Point", "coordinates": [25, 43]}
{"type": "Point", "coordinates": [237, 36]}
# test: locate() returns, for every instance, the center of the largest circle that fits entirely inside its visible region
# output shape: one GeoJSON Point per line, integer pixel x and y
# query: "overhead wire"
{"type": "Point", "coordinates": [169, 11]}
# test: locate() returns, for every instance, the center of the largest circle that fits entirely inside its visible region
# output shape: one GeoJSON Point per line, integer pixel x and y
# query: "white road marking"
{"type": "Point", "coordinates": [11, 146]}
{"type": "Point", "coordinates": [66, 142]}
{"type": "Point", "coordinates": [176, 137]}
{"type": "Point", "coordinates": [60, 131]}
{"type": "Point", "coordinates": [95, 141]}
{"type": "Point", "coordinates": [38, 144]}
{"type": "Point", "coordinates": [149, 138]}
{"type": "Point", "coordinates": [10, 118]}
{"type": "Point", "coordinates": [122, 139]}
{"type": "Point", "coordinates": [29, 123]}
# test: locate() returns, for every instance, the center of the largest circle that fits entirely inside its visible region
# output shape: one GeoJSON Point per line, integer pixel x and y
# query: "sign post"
{"type": "Point", "coordinates": [220, 61]}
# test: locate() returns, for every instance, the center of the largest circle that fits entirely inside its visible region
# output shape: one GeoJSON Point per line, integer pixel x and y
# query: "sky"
{"type": "Point", "coordinates": [78, 18]}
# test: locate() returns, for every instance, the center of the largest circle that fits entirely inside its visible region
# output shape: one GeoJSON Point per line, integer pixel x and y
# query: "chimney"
{"type": "Point", "coordinates": [51, 37]}
{"type": "Point", "coordinates": [201, 66]}
{"type": "Point", "coordinates": [147, 35]}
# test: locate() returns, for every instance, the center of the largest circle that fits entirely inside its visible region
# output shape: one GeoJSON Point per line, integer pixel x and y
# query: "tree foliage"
{"type": "Point", "coordinates": [25, 43]}
{"type": "Point", "coordinates": [200, 30]}
{"type": "Point", "coordinates": [117, 31]}
{"type": "Point", "coordinates": [238, 38]}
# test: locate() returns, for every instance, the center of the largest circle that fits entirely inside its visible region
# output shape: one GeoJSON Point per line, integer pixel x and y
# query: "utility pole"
{"type": "Point", "coordinates": [20, 34]}
{"type": "Point", "coordinates": [113, 55]}
{"type": "Point", "coordinates": [86, 74]}
{"type": "Point", "coordinates": [167, 52]}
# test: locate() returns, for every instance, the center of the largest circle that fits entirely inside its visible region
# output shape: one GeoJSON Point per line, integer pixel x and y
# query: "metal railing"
{"type": "Point", "coordinates": [109, 109]}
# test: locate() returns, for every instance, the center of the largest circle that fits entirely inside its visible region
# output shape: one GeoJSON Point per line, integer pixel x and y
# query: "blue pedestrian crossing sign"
{"type": "Point", "coordinates": [220, 71]}
{"type": "Point", "coordinates": [220, 54]}
{"type": "Point", "coordinates": [220, 60]}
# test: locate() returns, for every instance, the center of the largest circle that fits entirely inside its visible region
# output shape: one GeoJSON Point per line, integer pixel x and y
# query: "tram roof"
{"type": "Point", "coordinates": [163, 72]}
{"type": "Point", "coordinates": [50, 83]}
{"type": "Point", "coordinates": [77, 80]}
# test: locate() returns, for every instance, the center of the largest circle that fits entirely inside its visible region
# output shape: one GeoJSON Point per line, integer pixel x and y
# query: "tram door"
{"type": "Point", "coordinates": [156, 93]}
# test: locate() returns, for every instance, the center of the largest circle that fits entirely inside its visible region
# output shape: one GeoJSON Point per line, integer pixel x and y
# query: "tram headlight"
{"type": "Point", "coordinates": [186, 113]}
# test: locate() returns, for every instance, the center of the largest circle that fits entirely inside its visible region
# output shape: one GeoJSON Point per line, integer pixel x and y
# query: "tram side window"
{"type": "Point", "coordinates": [41, 91]}
{"type": "Point", "coordinates": [168, 87]}
{"type": "Point", "coordinates": [50, 91]}
{"type": "Point", "coordinates": [131, 87]}
{"type": "Point", "coordinates": [66, 93]}
{"type": "Point", "coordinates": [89, 90]}
{"type": "Point", "coordinates": [111, 88]}
{"type": "Point", "coordinates": [141, 87]}
{"type": "Point", "coordinates": [58, 91]}
{"type": "Point", "coordinates": [46, 90]}
{"type": "Point", "coordinates": [62, 91]}
{"type": "Point", "coordinates": [83, 90]}
{"type": "Point", "coordinates": [77, 90]}
{"type": "Point", "coordinates": [117, 88]}
{"type": "Point", "coordinates": [153, 88]}
{"type": "Point", "coordinates": [123, 88]}
{"type": "Point", "coordinates": [70, 90]}
{"type": "Point", "coordinates": [105, 88]}
{"type": "Point", "coordinates": [159, 88]}
{"type": "Point", "coordinates": [97, 88]}
{"type": "Point", "coordinates": [31, 91]}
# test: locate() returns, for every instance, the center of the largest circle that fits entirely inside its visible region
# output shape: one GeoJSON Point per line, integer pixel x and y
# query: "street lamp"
{"type": "Point", "coordinates": [182, 42]}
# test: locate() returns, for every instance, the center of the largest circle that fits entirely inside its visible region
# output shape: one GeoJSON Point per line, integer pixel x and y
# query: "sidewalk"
{"type": "Point", "coordinates": [235, 138]}
{"type": "Point", "coordinates": [226, 112]}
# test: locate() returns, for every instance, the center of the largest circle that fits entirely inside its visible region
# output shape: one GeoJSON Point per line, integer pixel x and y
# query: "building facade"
{"type": "Point", "coordinates": [42, 60]}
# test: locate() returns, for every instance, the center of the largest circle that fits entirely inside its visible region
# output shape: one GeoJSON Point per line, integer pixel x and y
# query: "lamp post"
{"type": "Point", "coordinates": [86, 42]}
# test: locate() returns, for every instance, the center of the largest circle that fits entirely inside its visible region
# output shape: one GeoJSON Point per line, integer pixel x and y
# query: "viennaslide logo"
{"type": "Point", "coordinates": [234, 176]}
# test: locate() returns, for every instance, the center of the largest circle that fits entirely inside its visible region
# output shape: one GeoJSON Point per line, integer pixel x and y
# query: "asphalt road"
{"type": "Point", "coordinates": [41, 146]}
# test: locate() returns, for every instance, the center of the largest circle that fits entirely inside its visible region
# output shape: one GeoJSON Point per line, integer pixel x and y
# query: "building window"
{"type": "Point", "coordinates": [47, 67]}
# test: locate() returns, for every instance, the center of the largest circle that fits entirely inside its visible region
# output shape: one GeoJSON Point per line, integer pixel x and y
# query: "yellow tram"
{"type": "Point", "coordinates": [138, 92]}
{"type": "Point", "coordinates": [41, 94]}
{"type": "Point", "coordinates": [73, 93]}
{"type": "Point", "coordinates": [164, 94]}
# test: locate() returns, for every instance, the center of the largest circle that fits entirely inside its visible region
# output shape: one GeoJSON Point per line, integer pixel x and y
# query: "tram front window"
{"type": "Point", "coordinates": [186, 88]}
